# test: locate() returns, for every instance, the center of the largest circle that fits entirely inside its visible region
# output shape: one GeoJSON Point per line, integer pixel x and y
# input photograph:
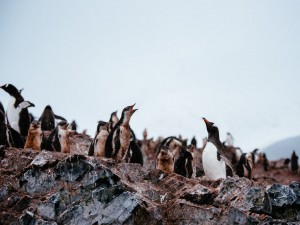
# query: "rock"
{"type": "Point", "coordinates": [281, 195]}
{"type": "Point", "coordinates": [46, 210]}
{"type": "Point", "coordinates": [3, 192]}
{"type": "Point", "coordinates": [295, 186]}
{"type": "Point", "coordinates": [256, 200]}
{"type": "Point", "coordinates": [36, 180]}
{"type": "Point", "coordinates": [45, 158]}
{"type": "Point", "coordinates": [72, 168]}
{"type": "Point", "coordinates": [198, 194]}
{"type": "Point", "coordinates": [22, 204]}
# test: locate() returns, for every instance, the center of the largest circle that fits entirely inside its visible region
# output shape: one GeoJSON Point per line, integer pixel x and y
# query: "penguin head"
{"type": "Point", "coordinates": [63, 125]}
{"type": "Point", "coordinates": [35, 124]}
{"type": "Point", "coordinates": [190, 148]}
{"type": "Point", "coordinates": [102, 126]}
{"type": "Point", "coordinates": [127, 113]}
{"type": "Point", "coordinates": [145, 134]}
{"type": "Point", "coordinates": [165, 153]}
{"type": "Point", "coordinates": [73, 126]}
{"type": "Point", "coordinates": [212, 130]}
{"type": "Point", "coordinates": [13, 91]}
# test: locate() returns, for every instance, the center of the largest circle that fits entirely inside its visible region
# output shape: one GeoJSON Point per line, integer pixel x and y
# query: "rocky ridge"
{"type": "Point", "coordinates": [54, 188]}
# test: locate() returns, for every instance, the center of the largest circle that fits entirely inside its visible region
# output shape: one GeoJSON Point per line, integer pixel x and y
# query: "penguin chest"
{"type": "Point", "coordinates": [13, 115]}
{"type": "Point", "coordinates": [213, 168]}
{"type": "Point", "coordinates": [34, 140]}
{"type": "Point", "coordinates": [125, 136]}
{"type": "Point", "coordinates": [100, 145]}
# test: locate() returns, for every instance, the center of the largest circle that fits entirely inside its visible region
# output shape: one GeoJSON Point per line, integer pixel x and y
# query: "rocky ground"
{"type": "Point", "coordinates": [53, 188]}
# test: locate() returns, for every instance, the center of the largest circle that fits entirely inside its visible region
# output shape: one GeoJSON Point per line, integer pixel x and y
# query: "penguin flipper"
{"type": "Point", "coordinates": [49, 140]}
{"type": "Point", "coordinates": [137, 156]}
{"type": "Point", "coordinates": [117, 143]}
{"type": "Point", "coordinates": [189, 166]}
{"type": "Point", "coordinates": [91, 148]}
{"type": "Point", "coordinates": [228, 164]}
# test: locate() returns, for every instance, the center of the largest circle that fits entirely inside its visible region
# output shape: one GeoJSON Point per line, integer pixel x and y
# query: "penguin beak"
{"type": "Point", "coordinates": [207, 122]}
{"type": "Point", "coordinates": [131, 108]}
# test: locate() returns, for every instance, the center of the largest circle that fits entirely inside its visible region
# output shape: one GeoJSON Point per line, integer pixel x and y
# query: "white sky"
{"type": "Point", "coordinates": [234, 62]}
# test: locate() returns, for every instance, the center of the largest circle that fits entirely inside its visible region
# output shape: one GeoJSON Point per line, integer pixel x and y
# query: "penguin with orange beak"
{"type": "Point", "coordinates": [215, 164]}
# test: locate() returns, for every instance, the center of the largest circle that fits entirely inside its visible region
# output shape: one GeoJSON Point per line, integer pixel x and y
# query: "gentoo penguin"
{"type": "Point", "coordinates": [73, 127]}
{"type": "Point", "coordinates": [97, 146]}
{"type": "Point", "coordinates": [265, 162]}
{"type": "Point", "coordinates": [184, 164]}
{"type": "Point", "coordinates": [294, 162]}
{"type": "Point", "coordinates": [35, 136]}
{"type": "Point", "coordinates": [118, 140]}
{"type": "Point", "coordinates": [47, 119]}
{"type": "Point", "coordinates": [175, 145]}
{"type": "Point", "coordinates": [194, 141]}
{"type": "Point", "coordinates": [244, 167]}
{"type": "Point", "coordinates": [165, 160]}
{"type": "Point", "coordinates": [229, 140]}
{"type": "Point", "coordinates": [17, 113]}
{"type": "Point", "coordinates": [215, 164]}
{"type": "Point", "coordinates": [113, 120]}
{"type": "Point", "coordinates": [58, 139]}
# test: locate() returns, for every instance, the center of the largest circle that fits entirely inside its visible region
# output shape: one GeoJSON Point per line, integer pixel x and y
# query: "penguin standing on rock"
{"type": "Point", "coordinates": [17, 111]}
{"type": "Point", "coordinates": [113, 120]}
{"type": "Point", "coordinates": [97, 146]}
{"type": "Point", "coordinates": [215, 164]}
{"type": "Point", "coordinates": [35, 136]}
{"type": "Point", "coordinates": [165, 160]}
{"type": "Point", "coordinates": [294, 162]}
{"type": "Point", "coordinates": [184, 164]}
{"type": "Point", "coordinates": [5, 134]}
{"type": "Point", "coordinates": [47, 119]}
{"type": "Point", "coordinates": [58, 139]}
{"type": "Point", "coordinates": [244, 167]}
{"type": "Point", "coordinates": [118, 140]}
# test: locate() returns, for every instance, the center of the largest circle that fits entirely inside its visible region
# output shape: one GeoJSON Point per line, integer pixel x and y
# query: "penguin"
{"type": "Point", "coordinates": [58, 139]}
{"type": "Point", "coordinates": [47, 119]}
{"type": "Point", "coordinates": [193, 150]}
{"type": "Point", "coordinates": [215, 164]}
{"type": "Point", "coordinates": [134, 153]}
{"type": "Point", "coordinates": [175, 145]}
{"type": "Point", "coordinates": [254, 156]}
{"type": "Point", "coordinates": [73, 127]}
{"type": "Point", "coordinates": [244, 166]}
{"type": "Point", "coordinates": [194, 141]}
{"type": "Point", "coordinates": [5, 134]}
{"type": "Point", "coordinates": [165, 160]}
{"type": "Point", "coordinates": [35, 136]}
{"type": "Point", "coordinates": [118, 140]}
{"type": "Point", "coordinates": [17, 111]}
{"type": "Point", "coordinates": [294, 162]}
{"type": "Point", "coordinates": [265, 162]}
{"type": "Point", "coordinates": [229, 140]}
{"type": "Point", "coordinates": [97, 146]}
{"type": "Point", "coordinates": [184, 164]}
{"type": "Point", "coordinates": [113, 120]}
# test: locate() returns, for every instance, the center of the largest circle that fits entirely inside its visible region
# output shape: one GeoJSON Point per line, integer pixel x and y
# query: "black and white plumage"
{"type": "Point", "coordinates": [184, 164]}
{"type": "Point", "coordinates": [97, 146]}
{"type": "Point", "coordinates": [175, 145]}
{"type": "Point", "coordinates": [17, 111]}
{"type": "Point", "coordinates": [194, 141]}
{"type": "Point", "coordinates": [215, 164]}
{"type": "Point", "coordinates": [113, 120]}
{"type": "Point", "coordinates": [244, 166]}
{"type": "Point", "coordinates": [72, 126]}
{"type": "Point", "coordinates": [118, 140]}
{"type": "Point", "coordinates": [47, 119]}
{"type": "Point", "coordinates": [5, 134]}
{"type": "Point", "coordinates": [58, 139]}
{"type": "Point", "coordinates": [134, 154]}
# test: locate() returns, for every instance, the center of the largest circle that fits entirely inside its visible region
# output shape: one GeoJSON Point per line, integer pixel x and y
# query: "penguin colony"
{"type": "Point", "coordinates": [116, 140]}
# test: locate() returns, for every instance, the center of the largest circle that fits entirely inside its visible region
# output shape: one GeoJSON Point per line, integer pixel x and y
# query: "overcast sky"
{"type": "Point", "coordinates": [234, 62]}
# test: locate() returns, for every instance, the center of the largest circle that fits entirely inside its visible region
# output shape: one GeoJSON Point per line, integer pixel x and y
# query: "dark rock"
{"type": "Point", "coordinates": [47, 211]}
{"type": "Point", "coordinates": [73, 168]}
{"type": "Point", "coordinates": [35, 180]}
{"type": "Point", "coordinates": [3, 192]}
{"type": "Point", "coordinates": [12, 200]}
{"type": "Point", "coordinates": [102, 178]}
{"type": "Point", "coordinates": [256, 200]}
{"type": "Point", "coordinates": [26, 219]}
{"type": "Point", "coordinates": [22, 204]}
{"type": "Point", "coordinates": [281, 195]}
{"type": "Point", "coordinates": [105, 195]}
{"type": "Point", "coordinates": [198, 194]}
{"type": "Point", "coordinates": [295, 186]}
{"type": "Point", "coordinates": [43, 159]}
